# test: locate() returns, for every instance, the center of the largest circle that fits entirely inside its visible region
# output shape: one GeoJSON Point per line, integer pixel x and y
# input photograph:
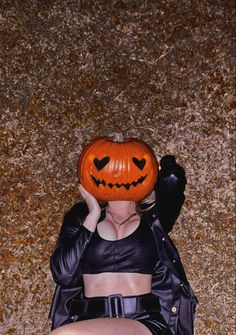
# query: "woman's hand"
{"type": "Point", "coordinates": [93, 207]}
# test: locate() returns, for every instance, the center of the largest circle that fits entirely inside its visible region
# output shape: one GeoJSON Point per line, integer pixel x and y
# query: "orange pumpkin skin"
{"type": "Point", "coordinates": [113, 170]}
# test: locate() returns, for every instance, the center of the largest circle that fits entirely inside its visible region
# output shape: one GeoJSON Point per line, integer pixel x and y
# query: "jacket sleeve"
{"type": "Point", "coordinates": [169, 191]}
{"type": "Point", "coordinates": [74, 237]}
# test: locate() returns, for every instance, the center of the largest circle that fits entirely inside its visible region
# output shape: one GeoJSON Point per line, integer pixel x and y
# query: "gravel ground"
{"type": "Point", "coordinates": [162, 71]}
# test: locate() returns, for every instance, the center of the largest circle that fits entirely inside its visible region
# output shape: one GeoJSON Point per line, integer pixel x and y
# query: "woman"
{"type": "Point", "coordinates": [121, 269]}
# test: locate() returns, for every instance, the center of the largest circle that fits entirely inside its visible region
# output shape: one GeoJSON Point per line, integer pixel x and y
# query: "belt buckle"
{"type": "Point", "coordinates": [116, 305]}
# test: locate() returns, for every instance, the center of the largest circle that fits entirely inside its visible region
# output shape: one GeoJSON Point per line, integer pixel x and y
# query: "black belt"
{"type": "Point", "coordinates": [114, 305]}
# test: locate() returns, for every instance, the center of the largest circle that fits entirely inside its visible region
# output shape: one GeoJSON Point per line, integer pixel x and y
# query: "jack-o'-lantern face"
{"type": "Point", "coordinates": [112, 169]}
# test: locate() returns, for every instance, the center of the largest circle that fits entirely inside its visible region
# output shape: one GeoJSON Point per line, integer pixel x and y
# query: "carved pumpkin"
{"type": "Point", "coordinates": [118, 169]}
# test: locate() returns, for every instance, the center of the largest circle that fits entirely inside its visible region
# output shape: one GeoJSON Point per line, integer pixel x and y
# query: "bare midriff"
{"type": "Point", "coordinates": [104, 284]}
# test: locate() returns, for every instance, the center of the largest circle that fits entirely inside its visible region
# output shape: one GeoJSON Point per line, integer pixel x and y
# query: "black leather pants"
{"type": "Point", "coordinates": [148, 315]}
{"type": "Point", "coordinates": [152, 320]}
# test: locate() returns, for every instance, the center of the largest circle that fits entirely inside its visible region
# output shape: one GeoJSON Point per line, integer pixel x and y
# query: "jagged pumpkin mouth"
{"type": "Point", "coordinates": [126, 186]}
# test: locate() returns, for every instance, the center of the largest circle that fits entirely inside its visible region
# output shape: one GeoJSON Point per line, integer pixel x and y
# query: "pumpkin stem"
{"type": "Point", "coordinates": [118, 137]}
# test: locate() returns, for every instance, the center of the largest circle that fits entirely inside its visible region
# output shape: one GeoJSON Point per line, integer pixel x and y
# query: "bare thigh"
{"type": "Point", "coordinates": [104, 326]}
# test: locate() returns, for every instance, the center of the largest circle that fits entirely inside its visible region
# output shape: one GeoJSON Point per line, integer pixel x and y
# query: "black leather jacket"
{"type": "Point", "coordinates": [169, 281]}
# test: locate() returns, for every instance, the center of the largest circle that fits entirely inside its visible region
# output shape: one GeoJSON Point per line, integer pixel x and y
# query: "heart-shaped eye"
{"type": "Point", "coordinates": [100, 163]}
{"type": "Point", "coordinates": [139, 163]}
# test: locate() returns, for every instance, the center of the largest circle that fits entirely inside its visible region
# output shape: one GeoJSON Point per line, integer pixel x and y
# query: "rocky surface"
{"type": "Point", "coordinates": [162, 71]}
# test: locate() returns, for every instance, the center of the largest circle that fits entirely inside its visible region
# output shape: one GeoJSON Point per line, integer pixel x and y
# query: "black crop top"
{"type": "Point", "coordinates": [136, 253]}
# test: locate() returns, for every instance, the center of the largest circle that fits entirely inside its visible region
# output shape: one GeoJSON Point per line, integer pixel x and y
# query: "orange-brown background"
{"type": "Point", "coordinates": [162, 71]}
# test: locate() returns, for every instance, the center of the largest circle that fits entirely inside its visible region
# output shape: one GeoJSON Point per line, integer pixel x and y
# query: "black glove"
{"type": "Point", "coordinates": [169, 166]}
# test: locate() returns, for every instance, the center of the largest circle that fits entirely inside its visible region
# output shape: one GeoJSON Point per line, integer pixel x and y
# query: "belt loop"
{"type": "Point", "coordinates": [138, 303]}
{"type": "Point", "coordinates": [86, 306]}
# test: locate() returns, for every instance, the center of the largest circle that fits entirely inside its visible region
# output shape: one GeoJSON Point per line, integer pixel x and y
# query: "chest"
{"type": "Point", "coordinates": [107, 231]}
{"type": "Point", "coordinates": [135, 253]}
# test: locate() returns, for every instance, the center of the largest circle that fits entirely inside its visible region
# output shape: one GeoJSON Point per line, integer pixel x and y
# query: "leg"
{"type": "Point", "coordinates": [104, 326]}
